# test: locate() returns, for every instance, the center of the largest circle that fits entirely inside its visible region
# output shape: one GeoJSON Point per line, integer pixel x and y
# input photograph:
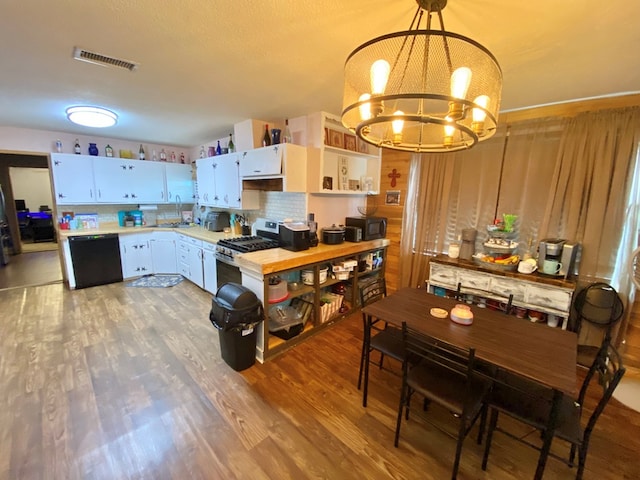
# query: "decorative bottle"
{"type": "Point", "coordinates": [173, 157]}
{"type": "Point", "coordinates": [182, 157]}
{"type": "Point", "coordinates": [202, 152]}
{"type": "Point", "coordinates": [141, 153]}
{"type": "Point", "coordinates": [58, 146]}
{"type": "Point", "coordinates": [230, 145]}
{"type": "Point", "coordinates": [163, 156]}
{"type": "Point", "coordinates": [154, 157]}
{"type": "Point", "coordinates": [286, 136]}
{"type": "Point", "coordinates": [108, 151]}
{"type": "Point", "coordinates": [76, 147]}
{"type": "Point", "coordinates": [93, 149]}
{"type": "Point", "coordinates": [218, 149]}
{"type": "Point", "coordinates": [266, 140]}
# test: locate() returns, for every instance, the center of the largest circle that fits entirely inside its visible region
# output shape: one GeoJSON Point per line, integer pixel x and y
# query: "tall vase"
{"type": "Point", "coordinates": [93, 150]}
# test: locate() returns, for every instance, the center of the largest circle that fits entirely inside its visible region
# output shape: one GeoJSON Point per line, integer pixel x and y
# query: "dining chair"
{"type": "Point", "coordinates": [443, 374]}
{"type": "Point", "coordinates": [532, 406]}
{"type": "Point", "coordinates": [378, 336]}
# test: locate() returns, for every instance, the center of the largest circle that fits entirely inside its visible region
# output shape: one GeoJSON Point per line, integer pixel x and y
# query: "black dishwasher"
{"type": "Point", "coordinates": [95, 259]}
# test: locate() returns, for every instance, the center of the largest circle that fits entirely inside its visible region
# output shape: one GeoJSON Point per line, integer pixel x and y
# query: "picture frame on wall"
{"type": "Point", "coordinates": [392, 197]}
{"type": "Point", "coordinates": [363, 147]}
{"type": "Point", "coordinates": [336, 139]}
{"type": "Point", "coordinates": [350, 142]}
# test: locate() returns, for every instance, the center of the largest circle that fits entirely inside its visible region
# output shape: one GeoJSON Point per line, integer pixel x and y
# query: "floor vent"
{"type": "Point", "coordinates": [98, 59]}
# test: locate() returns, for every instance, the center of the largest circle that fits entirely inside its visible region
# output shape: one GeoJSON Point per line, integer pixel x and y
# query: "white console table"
{"type": "Point", "coordinates": [533, 291]}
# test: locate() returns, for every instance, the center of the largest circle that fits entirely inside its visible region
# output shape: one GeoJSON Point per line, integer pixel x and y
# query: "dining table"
{"type": "Point", "coordinates": [542, 354]}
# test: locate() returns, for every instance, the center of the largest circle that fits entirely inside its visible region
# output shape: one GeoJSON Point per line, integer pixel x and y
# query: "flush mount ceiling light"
{"type": "Point", "coordinates": [96, 117]}
{"type": "Point", "coordinates": [422, 90]}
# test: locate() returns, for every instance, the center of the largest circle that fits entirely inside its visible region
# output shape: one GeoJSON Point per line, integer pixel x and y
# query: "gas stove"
{"type": "Point", "coordinates": [264, 237]}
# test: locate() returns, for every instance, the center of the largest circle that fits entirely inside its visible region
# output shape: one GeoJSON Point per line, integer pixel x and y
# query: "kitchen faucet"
{"type": "Point", "coordinates": [179, 208]}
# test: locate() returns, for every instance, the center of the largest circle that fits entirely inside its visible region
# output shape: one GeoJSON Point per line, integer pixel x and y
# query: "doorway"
{"type": "Point", "coordinates": [32, 263]}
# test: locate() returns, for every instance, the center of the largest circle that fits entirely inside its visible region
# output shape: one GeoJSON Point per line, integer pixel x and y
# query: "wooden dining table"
{"type": "Point", "coordinates": [534, 351]}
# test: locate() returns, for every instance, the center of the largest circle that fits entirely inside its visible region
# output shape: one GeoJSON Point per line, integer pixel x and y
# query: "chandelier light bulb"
{"type": "Point", "coordinates": [365, 108]}
{"type": "Point", "coordinates": [478, 113]}
{"type": "Point", "coordinates": [379, 76]}
{"type": "Point", "coordinates": [449, 130]}
{"type": "Point", "coordinates": [397, 126]}
{"type": "Point", "coordinates": [460, 80]}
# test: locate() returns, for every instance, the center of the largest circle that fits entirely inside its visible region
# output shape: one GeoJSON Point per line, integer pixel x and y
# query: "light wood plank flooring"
{"type": "Point", "coordinates": [30, 269]}
{"type": "Point", "coordinates": [113, 382]}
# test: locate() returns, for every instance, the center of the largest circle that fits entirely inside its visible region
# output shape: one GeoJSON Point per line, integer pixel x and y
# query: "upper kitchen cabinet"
{"type": "Point", "coordinates": [120, 180]}
{"type": "Point", "coordinates": [72, 179]}
{"type": "Point", "coordinates": [281, 167]}
{"type": "Point", "coordinates": [219, 184]}
{"type": "Point", "coordinates": [179, 183]}
{"type": "Point", "coordinates": [338, 162]}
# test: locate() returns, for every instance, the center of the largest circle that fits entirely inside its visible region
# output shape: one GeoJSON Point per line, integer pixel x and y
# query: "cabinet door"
{"type": "Point", "coordinates": [163, 256]}
{"type": "Point", "coordinates": [206, 181]}
{"type": "Point", "coordinates": [72, 179]}
{"type": "Point", "coordinates": [179, 183]}
{"type": "Point", "coordinates": [196, 274]}
{"type": "Point", "coordinates": [227, 181]}
{"type": "Point", "coordinates": [136, 255]}
{"type": "Point", "coordinates": [262, 162]}
{"type": "Point", "coordinates": [113, 182]}
{"type": "Point", "coordinates": [146, 181]}
{"type": "Point", "coordinates": [210, 274]}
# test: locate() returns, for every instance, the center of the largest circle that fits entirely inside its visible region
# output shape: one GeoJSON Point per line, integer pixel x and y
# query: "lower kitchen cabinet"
{"type": "Point", "coordinates": [135, 252]}
{"type": "Point", "coordinates": [209, 267]}
{"type": "Point", "coordinates": [190, 259]}
{"type": "Point", "coordinates": [163, 253]}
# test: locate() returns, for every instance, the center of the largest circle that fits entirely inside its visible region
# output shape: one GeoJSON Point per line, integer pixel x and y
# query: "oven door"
{"type": "Point", "coordinates": [227, 272]}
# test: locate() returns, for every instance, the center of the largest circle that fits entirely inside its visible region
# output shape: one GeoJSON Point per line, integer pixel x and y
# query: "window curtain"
{"type": "Point", "coordinates": [448, 193]}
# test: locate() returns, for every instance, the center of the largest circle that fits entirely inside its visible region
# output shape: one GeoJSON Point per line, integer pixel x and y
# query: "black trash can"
{"type": "Point", "coordinates": [236, 312]}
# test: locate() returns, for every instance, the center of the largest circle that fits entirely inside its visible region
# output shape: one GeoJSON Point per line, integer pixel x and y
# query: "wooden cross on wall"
{"type": "Point", "coordinates": [393, 175]}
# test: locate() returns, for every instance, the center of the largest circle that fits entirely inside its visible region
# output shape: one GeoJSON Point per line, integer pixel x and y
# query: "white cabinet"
{"type": "Point", "coordinates": [135, 253]}
{"type": "Point", "coordinates": [190, 259]}
{"type": "Point", "coordinates": [219, 184]}
{"type": "Point", "coordinates": [179, 186]}
{"type": "Point", "coordinates": [120, 180]}
{"type": "Point", "coordinates": [209, 267]}
{"type": "Point", "coordinates": [163, 252]}
{"type": "Point", "coordinates": [72, 179]}
{"type": "Point", "coordinates": [285, 162]}
{"type": "Point", "coordinates": [338, 163]}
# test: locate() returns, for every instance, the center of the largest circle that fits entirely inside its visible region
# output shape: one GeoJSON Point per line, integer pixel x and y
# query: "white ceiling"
{"type": "Point", "coordinates": [207, 64]}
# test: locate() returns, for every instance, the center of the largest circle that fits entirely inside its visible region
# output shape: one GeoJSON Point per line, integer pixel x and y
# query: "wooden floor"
{"type": "Point", "coordinates": [30, 269]}
{"type": "Point", "coordinates": [113, 382]}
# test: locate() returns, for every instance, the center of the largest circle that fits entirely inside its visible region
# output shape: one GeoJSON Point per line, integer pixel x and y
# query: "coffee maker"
{"type": "Point", "coordinates": [562, 251]}
{"type": "Point", "coordinates": [468, 247]}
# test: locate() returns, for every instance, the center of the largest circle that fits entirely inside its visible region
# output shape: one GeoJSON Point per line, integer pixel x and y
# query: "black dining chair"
{"type": "Point", "coordinates": [532, 406]}
{"type": "Point", "coordinates": [446, 375]}
{"type": "Point", "coordinates": [378, 336]}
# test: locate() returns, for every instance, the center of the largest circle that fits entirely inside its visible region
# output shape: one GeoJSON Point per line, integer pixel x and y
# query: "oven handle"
{"type": "Point", "coordinates": [226, 260]}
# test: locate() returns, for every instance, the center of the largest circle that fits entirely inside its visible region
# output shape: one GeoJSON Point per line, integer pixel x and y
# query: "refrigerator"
{"type": "Point", "coordinates": [5, 235]}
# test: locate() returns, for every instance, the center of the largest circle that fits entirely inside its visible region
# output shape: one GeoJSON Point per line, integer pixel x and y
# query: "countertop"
{"type": "Point", "coordinates": [265, 262]}
{"type": "Point", "coordinates": [195, 232]}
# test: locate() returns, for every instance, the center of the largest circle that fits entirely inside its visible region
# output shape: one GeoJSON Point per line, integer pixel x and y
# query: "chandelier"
{"type": "Point", "coordinates": [422, 90]}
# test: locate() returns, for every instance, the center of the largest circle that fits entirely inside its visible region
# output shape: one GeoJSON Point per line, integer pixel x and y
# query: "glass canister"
{"type": "Point", "coordinates": [454, 250]}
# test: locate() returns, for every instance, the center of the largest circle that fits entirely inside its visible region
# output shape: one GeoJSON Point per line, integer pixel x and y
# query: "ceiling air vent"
{"type": "Point", "coordinates": [98, 59]}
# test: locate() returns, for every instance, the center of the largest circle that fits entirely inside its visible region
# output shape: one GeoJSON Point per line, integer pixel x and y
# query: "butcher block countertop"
{"type": "Point", "coordinates": [106, 228]}
{"type": "Point", "coordinates": [265, 262]}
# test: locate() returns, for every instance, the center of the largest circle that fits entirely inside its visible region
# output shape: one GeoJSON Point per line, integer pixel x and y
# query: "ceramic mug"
{"type": "Point", "coordinates": [551, 267]}
{"type": "Point", "coordinates": [527, 267]}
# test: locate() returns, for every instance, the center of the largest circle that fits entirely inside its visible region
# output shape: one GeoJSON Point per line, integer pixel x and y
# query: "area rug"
{"type": "Point", "coordinates": [156, 281]}
{"type": "Point", "coordinates": [628, 392]}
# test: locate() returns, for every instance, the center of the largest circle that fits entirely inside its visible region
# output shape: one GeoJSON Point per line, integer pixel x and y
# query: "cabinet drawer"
{"type": "Point", "coordinates": [474, 280]}
{"type": "Point", "coordinates": [190, 240]}
{"type": "Point", "coordinates": [443, 275]}
{"type": "Point", "coordinates": [554, 298]}
{"type": "Point", "coordinates": [505, 287]}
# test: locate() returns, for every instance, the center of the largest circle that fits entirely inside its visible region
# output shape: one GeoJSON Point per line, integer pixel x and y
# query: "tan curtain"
{"type": "Point", "coordinates": [591, 182]}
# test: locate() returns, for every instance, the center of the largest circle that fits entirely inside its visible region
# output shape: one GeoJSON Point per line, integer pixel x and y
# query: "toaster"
{"type": "Point", "coordinates": [217, 221]}
{"type": "Point", "coordinates": [352, 234]}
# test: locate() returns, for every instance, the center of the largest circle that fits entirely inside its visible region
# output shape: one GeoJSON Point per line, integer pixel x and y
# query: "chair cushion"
{"type": "Point", "coordinates": [389, 342]}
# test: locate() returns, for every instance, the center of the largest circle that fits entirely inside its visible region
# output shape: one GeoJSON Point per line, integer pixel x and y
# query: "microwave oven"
{"type": "Point", "coordinates": [372, 227]}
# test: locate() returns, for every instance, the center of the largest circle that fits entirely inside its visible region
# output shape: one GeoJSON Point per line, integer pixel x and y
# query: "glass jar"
{"type": "Point", "coordinates": [454, 250]}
